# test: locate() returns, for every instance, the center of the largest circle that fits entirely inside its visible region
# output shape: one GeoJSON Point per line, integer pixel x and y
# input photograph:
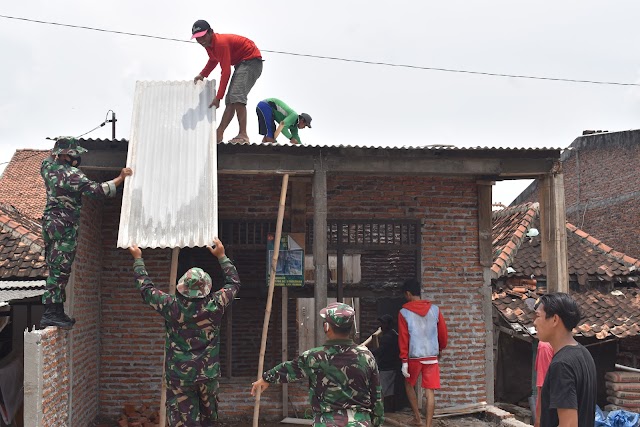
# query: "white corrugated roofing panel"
{"type": "Point", "coordinates": [172, 198]}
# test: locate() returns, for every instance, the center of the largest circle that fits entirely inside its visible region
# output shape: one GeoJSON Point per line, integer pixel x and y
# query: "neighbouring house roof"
{"type": "Point", "coordinates": [615, 313]}
{"type": "Point", "coordinates": [12, 290]}
{"type": "Point", "coordinates": [509, 227]}
{"type": "Point", "coordinates": [588, 257]}
{"type": "Point", "coordinates": [21, 247]}
{"type": "Point", "coordinates": [21, 185]}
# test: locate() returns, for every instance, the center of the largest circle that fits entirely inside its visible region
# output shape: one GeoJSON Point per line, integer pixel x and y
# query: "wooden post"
{"type": "Point", "coordinates": [173, 277]}
{"type": "Point", "coordinates": [486, 261]}
{"type": "Point", "coordinates": [320, 244]}
{"type": "Point", "coordinates": [272, 281]}
{"type": "Point", "coordinates": [285, 352]}
{"type": "Point", "coordinates": [554, 232]}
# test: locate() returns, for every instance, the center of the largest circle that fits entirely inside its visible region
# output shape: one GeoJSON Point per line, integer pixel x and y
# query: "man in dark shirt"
{"type": "Point", "coordinates": [388, 358]}
{"type": "Point", "coordinates": [569, 390]}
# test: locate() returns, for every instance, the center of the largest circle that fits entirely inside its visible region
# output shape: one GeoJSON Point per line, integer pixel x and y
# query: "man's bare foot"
{"type": "Point", "coordinates": [219, 136]}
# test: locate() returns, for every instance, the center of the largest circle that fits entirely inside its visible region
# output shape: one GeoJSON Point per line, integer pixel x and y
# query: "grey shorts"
{"type": "Point", "coordinates": [244, 77]}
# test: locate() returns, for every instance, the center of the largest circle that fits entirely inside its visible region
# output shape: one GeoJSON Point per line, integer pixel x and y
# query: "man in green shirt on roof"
{"type": "Point", "coordinates": [272, 110]}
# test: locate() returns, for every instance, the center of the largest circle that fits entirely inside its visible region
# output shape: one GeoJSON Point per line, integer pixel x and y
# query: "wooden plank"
{"type": "Point", "coordinates": [298, 421]}
{"type": "Point", "coordinates": [173, 277]}
{"type": "Point", "coordinates": [272, 280]}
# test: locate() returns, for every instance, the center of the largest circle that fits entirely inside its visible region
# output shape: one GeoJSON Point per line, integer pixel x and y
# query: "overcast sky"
{"type": "Point", "coordinates": [62, 81]}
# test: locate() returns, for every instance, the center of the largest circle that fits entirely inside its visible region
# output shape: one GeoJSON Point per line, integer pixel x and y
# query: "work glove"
{"type": "Point", "coordinates": [405, 370]}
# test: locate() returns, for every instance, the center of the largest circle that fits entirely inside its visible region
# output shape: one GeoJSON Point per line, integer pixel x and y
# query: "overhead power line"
{"type": "Point", "coordinates": [334, 58]}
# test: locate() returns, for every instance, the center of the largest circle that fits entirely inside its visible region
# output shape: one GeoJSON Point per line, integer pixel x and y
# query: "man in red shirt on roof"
{"type": "Point", "coordinates": [422, 335]}
{"type": "Point", "coordinates": [228, 50]}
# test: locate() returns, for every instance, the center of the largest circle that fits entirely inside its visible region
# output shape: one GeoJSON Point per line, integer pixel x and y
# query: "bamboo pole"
{"type": "Point", "coordinates": [272, 281]}
{"type": "Point", "coordinates": [173, 277]}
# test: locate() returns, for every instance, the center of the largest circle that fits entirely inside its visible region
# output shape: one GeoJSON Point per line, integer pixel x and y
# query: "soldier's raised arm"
{"type": "Point", "coordinates": [225, 296]}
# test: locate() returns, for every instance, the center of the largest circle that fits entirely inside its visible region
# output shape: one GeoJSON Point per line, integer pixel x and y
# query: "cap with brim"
{"type": "Point", "coordinates": [199, 28]}
{"type": "Point", "coordinates": [69, 146]}
{"type": "Point", "coordinates": [307, 119]}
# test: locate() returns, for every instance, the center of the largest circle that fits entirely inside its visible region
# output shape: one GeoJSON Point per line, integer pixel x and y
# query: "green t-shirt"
{"type": "Point", "coordinates": [283, 113]}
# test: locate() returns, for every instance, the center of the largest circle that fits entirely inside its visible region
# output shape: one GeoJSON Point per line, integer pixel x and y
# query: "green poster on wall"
{"type": "Point", "coordinates": [290, 266]}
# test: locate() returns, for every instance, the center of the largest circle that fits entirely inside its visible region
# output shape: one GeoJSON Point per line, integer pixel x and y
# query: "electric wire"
{"type": "Point", "coordinates": [335, 58]}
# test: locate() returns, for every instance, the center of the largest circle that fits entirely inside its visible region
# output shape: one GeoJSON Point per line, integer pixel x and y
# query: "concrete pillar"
{"type": "Point", "coordinates": [33, 379]}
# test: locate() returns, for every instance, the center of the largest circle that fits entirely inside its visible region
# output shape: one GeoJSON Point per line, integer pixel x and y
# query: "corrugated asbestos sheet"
{"type": "Point", "coordinates": [172, 198]}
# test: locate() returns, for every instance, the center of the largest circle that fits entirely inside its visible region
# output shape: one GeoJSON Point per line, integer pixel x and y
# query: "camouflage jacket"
{"type": "Point", "coordinates": [192, 342]}
{"type": "Point", "coordinates": [344, 386]}
{"type": "Point", "coordinates": [65, 187]}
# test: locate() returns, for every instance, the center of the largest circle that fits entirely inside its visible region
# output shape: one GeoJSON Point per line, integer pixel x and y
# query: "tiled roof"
{"type": "Point", "coordinates": [16, 290]}
{"type": "Point", "coordinates": [509, 227]}
{"type": "Point", "coordinates": [604, 314]}
{"type": "Point", "coordinates": [588, 257]}
{"type": "Point", "coordinates": [21, 246]}
{"type": "Point", "coordinates": [21, 185]}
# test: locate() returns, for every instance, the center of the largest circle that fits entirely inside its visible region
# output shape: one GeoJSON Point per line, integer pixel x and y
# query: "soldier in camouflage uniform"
{"type": "Point", "coordinates": [344, 386]}
{"type": "Point", "coordinates": [65, 184]}
{"type": "Point", "coordinates": [192, 320]}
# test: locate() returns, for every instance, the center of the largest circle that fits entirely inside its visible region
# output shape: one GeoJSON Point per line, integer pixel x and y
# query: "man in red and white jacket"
{"type": "Point", "coordinates": [422, 335]}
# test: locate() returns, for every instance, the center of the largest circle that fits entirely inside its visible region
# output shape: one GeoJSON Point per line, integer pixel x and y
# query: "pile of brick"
{"type": "Point", "coordinates": [142, 416]}
{"type": "Point", "coordinates": [623, 390]}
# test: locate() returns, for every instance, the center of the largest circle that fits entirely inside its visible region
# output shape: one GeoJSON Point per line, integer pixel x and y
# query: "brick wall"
{"type": "Point", "coordinates": [85, 307]}
{"type": "Point", "coordinates": [602, 184]}
{"type": "Point", "coordinates": [451, 274]}
{"type": "Point", "coordinates": [55, 377]}
{"type": "Point", "coordinates": [131, 334]}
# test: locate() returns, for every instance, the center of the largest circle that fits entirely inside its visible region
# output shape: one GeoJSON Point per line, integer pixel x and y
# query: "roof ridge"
{"type": "Point", "coordinates": [607, 250]}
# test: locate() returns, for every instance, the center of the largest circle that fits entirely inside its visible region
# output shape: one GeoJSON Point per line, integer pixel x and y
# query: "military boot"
{"type": "Point", "coordinates": [66, 317]}
{"type": "Point", "coordinates": [54, 316]}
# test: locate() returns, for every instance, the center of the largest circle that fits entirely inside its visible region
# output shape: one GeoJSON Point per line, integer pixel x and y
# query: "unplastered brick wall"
{"type": "Point", "coordinates": [132, 336]}
{"type": "Point", "coordinates": [602, 188]}
{"type": "Point", "coordinates": [236, 402]}
{"type": "Point", "coordinates": [131, 332]}
{"type": "Point", "coordinates": [47, 378]}
{"type": "Point", "coordinates": [602, 181]}
{"type": "Point", "coordinates": [85, 307]}
{"type": "Point", "coordinates": [451, 274]}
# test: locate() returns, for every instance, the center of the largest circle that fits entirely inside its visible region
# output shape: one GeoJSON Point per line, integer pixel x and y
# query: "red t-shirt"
{"type": "Point", "coordinates": [543, 360]}
{"type": "Point", "coordinates": [228, 50]}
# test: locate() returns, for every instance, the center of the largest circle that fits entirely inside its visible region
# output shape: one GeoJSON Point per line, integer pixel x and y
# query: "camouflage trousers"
{"type": "Point", "coordinates": [343, 418]}
{"type": "Point", "coordinates": [60, 243]}
{"type": "Point", "coordinates": [193, 405]}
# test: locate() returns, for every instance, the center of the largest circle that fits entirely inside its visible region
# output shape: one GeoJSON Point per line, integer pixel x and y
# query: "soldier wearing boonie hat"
{"type": "Point", "coordinates": [65, 185]}
{"type": "Point", "coordinates": [343, 376]}
{"type": "Point", "coordinates": [192, 321]}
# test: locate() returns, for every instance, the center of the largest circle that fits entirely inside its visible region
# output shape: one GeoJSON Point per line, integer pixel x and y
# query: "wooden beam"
{"type": "Point", "coordinates": [320, 243]}
{"type": "Point", "coordinates": [554, 232]}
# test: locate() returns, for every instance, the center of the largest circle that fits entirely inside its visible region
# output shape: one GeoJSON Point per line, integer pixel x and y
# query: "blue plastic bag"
{"type": "Point", "coordinates": [617, 418]}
